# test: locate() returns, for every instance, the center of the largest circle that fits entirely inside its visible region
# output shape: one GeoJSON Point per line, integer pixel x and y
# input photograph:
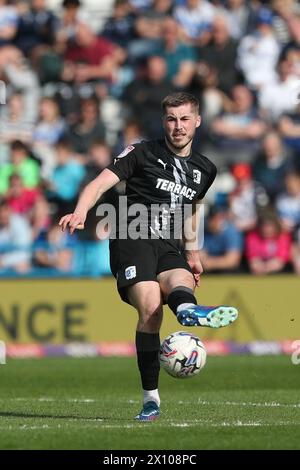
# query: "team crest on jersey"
{"type": "Point", "coordinates": [124, 153]}
{"type": "Point", "coordinates": [197, 176]}
{"type": "Point", "coordinates": [130, 272]}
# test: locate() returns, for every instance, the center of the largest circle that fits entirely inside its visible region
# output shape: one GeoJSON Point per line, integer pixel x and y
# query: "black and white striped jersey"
{"type": "Point", "coordinates": [156, 176]}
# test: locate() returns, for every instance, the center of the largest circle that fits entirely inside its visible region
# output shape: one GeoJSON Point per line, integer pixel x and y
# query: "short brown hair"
{"type": "Point", "coordinates": [19, 146]}
{"type": "Point", "coordinates": [268, 215]}
{"type": "Point", "coordinates": [178, 99]}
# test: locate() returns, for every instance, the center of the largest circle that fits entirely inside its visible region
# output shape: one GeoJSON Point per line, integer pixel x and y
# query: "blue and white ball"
{"type": "Point", "coordinates": [182, 355]}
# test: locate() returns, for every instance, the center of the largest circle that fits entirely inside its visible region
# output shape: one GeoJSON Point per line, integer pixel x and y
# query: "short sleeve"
{"type": "Point", "coordinates": [126, 164]}
{"type": "Point", "coordinates": [209, 180]}
{"type": "Point", "coordinates": [234, 238]}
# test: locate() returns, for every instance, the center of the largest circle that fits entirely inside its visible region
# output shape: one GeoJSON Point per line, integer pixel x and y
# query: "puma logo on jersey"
{"type": "Point", "coordinates": [163, 163]}
{"type": "Point", "coordinates": [175, 188]}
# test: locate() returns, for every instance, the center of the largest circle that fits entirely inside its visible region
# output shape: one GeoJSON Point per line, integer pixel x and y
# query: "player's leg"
{"type": "Point", "coordinates": [146, 298]}
{"type": "Point", "coordinates": [134, 264]}
{"type": "Point", "coordinates": [177, 286]}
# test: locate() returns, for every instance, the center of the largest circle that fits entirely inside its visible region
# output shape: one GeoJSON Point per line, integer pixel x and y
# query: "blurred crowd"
{"type": "Point", "coordinates": [75, 95]}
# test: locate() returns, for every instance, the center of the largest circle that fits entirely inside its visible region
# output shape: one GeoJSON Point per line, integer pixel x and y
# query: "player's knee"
{"type": "Point", "coordinates": [186, 279]}
{"type": "Point", "coordinates": [151, 313]}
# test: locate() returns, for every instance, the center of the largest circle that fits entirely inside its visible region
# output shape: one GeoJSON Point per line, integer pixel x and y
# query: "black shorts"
{"type": "Point", "coordinates": [133, 261]}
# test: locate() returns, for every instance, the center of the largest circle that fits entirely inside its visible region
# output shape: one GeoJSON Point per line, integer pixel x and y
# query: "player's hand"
{"type": "Point", "coordinates": [193, 259]}
{"type": "Point", "coordinates": [197, 278]}
{"type": "Point", "coordinates": [72, 222]}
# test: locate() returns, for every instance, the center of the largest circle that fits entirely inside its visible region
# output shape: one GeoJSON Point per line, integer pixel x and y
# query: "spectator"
{"type": "Point", "coordinates": [22, 94]}
{"type": "Point", "coordinates": [205, 85]}
{"type": "Point", "coordinates": [195, 18]}
{"type": "Point", "coordinates": [92, 57]}
{"type": "Point", "coordinates": [148, 29]}
{"type": "Point", "coordinates": [241, 17]}
{"type": "Point", "coordinates": [55, 251]}
{"type": "Point", "coordinates": [223, 186]}
{"type": "Point", "coordinates": [164, 7]}
{"type": "Point", "coordinates": [29, 203]}
{"type": "Point", "coordinates": [67, 177]}
{"type": "Point", "coordinates": [220, 53]}
{"type": "Point", "coordinates": [131, 134]}
{"type": "Point", "coordinates": [180, 57]}
{"type": "Point", "coordinates": [15, 240]}
{"type": "Point", "coordinates": [47, 133]}
{"type": "Point", "coordinates": [15, 124]}
{"type": "Point", "coordinates": [289, 126]}
{"type": "Point", "coordinates": [288, 203]}
{"type": "Point", "coordinates": [71, 16]}
{"type": "Point", "coordinates": [21, 200]}
{"type": "Point", "coordinates": [88, 128]}
{"type": "Point", "coordinates": [258, 52]}
{"type": "Point", "coordinates": [242, 201]}
{"type": "Point", "coordinates": [50, 126]}
{"type": "Point", "coordinates": [271, 165]}
{"type": "Point", "coordinates": [36, 27]}
{"type": "Point", "coordinates": [69, 96]}
{"type": "Point", "coordinates": [147, 93]}
{"type": "Point", "coordinates": [284, 20]}
{"type": "Point", "coordinates": [119, 28]}
{"type": "Point", "coordinates": [99, 158]}
{"type": "Point", "coordinates": [140, 5]}
{"type": "Point", "coordinates": [40, 217]}
{"type": "Point", "coordinates": [291, 50]}
{"type": "Point", "coordinates": [268, 247]}
{"type": "Point", "coordinates": [237, 134]}
{"type": "Point", "coordinates": [285, 88]}
{"type": "Point", "coordinates": [222, 248]}
{"type": "Point", "coordinates": [21, 164]}
{"type": "Point", "coordinates": [8, 22]}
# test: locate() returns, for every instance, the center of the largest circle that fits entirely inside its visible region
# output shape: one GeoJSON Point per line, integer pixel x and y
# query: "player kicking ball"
{"type": "Point", "coordinates": [160, 267]}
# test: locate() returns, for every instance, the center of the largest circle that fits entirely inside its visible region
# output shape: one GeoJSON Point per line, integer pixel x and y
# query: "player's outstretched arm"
{"type": "Point", "coordinates": [88, 198]}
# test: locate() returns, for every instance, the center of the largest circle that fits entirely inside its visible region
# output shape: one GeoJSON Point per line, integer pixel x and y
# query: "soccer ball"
{"type": "Point", "coordinates": [182, 355]}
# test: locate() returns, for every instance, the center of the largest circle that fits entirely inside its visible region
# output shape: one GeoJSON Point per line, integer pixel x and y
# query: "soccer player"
{"type": "Point", "coordinates": [162, 267]}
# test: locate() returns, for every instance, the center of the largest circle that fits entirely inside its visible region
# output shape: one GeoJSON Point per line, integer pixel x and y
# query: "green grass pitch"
{"type": "Point", "coordinates": [236, 402]}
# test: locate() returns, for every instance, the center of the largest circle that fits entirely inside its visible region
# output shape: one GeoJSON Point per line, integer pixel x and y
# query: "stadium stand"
{"type": "Point", "coordinates": [82, 74]}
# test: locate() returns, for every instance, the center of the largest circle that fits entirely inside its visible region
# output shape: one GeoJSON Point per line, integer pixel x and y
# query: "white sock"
{"type": "Point", "coordinates": [184, 306]}
{"type": "Point", "coordinates": [151, 395]}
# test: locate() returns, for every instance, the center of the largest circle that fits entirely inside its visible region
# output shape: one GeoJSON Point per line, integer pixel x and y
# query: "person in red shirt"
{"type": "Point", "coordinates": [268, 247]}
{"type": "Point", "coordinates": [21, 200]}
{"type": "Point", "coordinates": [93, 57]}
{"type": "Point", "coordinates": [30, 203]}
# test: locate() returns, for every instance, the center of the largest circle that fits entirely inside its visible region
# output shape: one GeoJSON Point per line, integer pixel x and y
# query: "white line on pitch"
{"type": "Point", "coordinates": [180, 402]}
{"type": "Point", "coordinates": [134, 426]}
